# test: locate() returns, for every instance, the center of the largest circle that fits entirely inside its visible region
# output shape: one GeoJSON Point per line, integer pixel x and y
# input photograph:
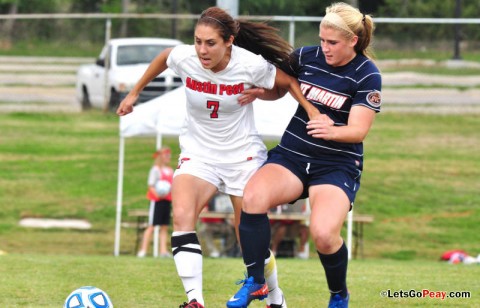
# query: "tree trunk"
{"type": "Point", "coordinates": [7, 28]}
{"type": "Point", "coordinates": [353, 3]}
{"type": "Point", "coordinates": [124, 25]}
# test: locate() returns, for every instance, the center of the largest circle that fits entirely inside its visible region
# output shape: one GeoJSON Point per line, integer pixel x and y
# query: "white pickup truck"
{"type": "Point", "coordinates": [128, 60]}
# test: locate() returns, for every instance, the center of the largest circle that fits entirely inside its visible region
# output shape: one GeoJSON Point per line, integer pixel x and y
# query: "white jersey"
{"type": "Point", "coordinates": [216, 128]}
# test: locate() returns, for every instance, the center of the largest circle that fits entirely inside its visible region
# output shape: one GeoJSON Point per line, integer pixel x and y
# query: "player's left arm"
{"type": "Point", "coordinates": [249, 95]}
{"type": "Point", "coordinates": [360, 121]}
{"type": "Point", "coordinates": [287, 82]}
{"type": "Point", "coordinates": [284, 83]}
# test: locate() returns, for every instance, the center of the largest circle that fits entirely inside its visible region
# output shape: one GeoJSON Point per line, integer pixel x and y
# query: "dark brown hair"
{"type": "Point", "coordinates": [257, 37]}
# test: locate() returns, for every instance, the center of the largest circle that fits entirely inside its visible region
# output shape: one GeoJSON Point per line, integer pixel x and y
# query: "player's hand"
{"type": "Point", "coordinates": [322, 127]}
{"type": "Point", "coordinates": [249, 95]}
{"type": "Point", "coordinates": [126, 106]}
{"type": "Point", "coordinates": [315, 115]}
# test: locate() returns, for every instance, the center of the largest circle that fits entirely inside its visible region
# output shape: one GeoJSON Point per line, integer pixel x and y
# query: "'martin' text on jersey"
{"type": "Point", "coordinates": [323, 96]}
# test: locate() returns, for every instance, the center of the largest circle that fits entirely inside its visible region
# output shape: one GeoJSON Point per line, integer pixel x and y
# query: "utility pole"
{"type": "Point", "coordinates": [174, 20]}
{"type": "Point", "coordinates": [124, 24]}
{"type": "Point", "coordinates": [231, 6]}
{"type": "Point", "coordinates": [457, 30]}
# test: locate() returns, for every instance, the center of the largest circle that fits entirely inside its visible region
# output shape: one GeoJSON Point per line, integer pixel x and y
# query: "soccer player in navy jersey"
{"type": "Point", "coordinates": [317, 158]}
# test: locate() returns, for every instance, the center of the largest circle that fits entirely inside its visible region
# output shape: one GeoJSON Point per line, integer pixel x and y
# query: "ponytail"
{"type": "Point", "coordinates": [262, 39]}
{"type": "Point", "coordinates": [259, 38]}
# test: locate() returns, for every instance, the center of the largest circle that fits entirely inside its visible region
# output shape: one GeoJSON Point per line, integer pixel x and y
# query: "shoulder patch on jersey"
{"type": "Point", "coordinates": [374, 98]}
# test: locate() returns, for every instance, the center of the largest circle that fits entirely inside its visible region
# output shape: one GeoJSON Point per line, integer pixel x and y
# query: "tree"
{"type": "Point", "coordinates": [11, 7]}
{"type": "Point", "coordinates": [124, 25]}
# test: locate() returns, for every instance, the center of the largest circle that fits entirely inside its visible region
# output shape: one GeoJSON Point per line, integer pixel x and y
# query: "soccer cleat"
{"type": "Point", "coordinates": [192, 304]}
{"type": "Point", "coordinates": [282, 305]}
{"type": "Point", "coordinates": [339, 302]}
{"type": "Point", "coordinates": [247, 293]}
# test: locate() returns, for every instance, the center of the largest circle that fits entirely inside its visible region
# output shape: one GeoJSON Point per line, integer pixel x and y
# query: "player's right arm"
{"type": "Point", "coordinates": [251, 94]}
{"type": "Point", "coordinates": [156, 67]}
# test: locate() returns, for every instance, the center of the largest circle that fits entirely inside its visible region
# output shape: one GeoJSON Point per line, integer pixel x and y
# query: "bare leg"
{"type": "Point", "coordinates": [189, 195]}
{"type": "Point", "coordinates": [330, 206]}
{"type": "Point", "coordinates": [278, 235]}
{"type": "Point", "coordinates": [163, 240]}
{"type": "Point", "coordinates": [147, 234]}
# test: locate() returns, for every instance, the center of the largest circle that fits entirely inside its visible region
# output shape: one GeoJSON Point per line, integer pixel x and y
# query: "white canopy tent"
{"type": "Point", "coordinates": [164, 116]}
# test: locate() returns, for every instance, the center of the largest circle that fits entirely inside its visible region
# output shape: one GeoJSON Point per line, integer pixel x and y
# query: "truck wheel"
{"type": "Point", "coordinates": [114, 100]}
{"type": "Point", "coordinates": [85, 99]}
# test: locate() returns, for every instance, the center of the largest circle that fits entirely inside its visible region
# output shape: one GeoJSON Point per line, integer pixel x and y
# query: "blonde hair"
{"type": "Point", "coordinates": [157, 155]}
{"type": "Point", "coordinates": [350, 21]}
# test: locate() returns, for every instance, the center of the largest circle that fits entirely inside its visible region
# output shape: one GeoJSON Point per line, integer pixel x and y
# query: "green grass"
{"type": "Point", "coordinates": [433, 86]}
{"type": "Point", "coordinates": [87, 48]}
{"type": "Point", "coordinates": [406, 53]}
{"type": "Point", "coordinates": [39, 48]}
{"type": "Point", "coordinates": [435, 70]}
{"type": "Point", "coordinates": [421, 182]}
{"type": "Point", "coordinates": [46, 280]}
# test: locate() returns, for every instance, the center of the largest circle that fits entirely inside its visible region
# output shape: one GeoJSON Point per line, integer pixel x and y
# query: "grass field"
{"type": "Point", "coordinates": [421, 182]}
{"type": "Point", "coordinates": [45, 281]}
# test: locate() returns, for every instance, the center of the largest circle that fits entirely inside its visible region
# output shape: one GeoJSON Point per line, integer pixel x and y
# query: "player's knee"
{"type": "Point", "coordinates": [248, 200]}
{"type": "Point", "coordinates": [183, 218]}
{"type": "Point", "coordinates": [325, 240]}
{"type": "Point", "coordinates": [254, 202]}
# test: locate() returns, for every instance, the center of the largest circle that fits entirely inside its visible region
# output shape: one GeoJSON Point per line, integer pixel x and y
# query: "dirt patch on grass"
{"type": "Point", "coordinates": [47, 223]}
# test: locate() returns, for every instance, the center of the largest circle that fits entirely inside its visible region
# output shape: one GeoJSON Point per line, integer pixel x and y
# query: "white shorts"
{"type": "Point", "coordinates": [228, 178]}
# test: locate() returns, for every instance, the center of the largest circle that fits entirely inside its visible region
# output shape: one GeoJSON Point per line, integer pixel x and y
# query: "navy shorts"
{"type": "Point", "coordinates": [160, 213]}
{"type": "Point", "coordinates": [316, 172]}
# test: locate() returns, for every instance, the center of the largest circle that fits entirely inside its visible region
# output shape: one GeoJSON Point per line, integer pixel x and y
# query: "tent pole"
{"type": "Point", "coordinates": [156, 229]}
{"type": "Point", "coordinates": [121, 156]}
{"type": "Point", "coordinates": [349, 233]}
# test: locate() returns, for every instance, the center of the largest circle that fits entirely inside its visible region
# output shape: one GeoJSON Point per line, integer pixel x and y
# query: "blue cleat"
{"type": "Point", "coordinates": [339, 302]}
{"type": "Point", "coordinates": [249, 292]}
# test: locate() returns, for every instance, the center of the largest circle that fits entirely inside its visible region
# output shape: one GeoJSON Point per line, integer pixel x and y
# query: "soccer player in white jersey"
{"type": "Point", "coordinates": [318, 159]}
{"type": "Point", "coordinates": [220, 146]}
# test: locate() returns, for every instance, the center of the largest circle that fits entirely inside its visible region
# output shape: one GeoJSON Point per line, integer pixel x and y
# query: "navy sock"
{"type": "Point", "coordinates": [335, 266]}
{"type": "Point", "coordinates": [255, 241]}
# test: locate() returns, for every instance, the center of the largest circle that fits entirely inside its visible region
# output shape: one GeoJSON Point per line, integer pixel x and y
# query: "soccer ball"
{"type": "Point", "coordinates": [162, 188]}
{"type": "Point", "coordinates": [88, 297]}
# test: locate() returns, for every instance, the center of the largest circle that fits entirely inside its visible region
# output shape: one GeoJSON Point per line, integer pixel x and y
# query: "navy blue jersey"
{"type": "Point", "coordinates": [334, 91]}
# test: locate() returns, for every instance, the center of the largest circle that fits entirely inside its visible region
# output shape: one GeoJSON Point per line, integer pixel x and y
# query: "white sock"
{"type": "Point", "coordinates": [189, 262]}
{"type": "Point", "coordinates": [275, 295]}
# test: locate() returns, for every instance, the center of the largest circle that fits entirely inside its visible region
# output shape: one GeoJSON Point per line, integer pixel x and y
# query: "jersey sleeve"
{"type": "Point", "coordinates": [176, 56]}
{"type": "Point", "coordinates": [262, 72]}
{"type": "Point", "coordinates": [369, 89]}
